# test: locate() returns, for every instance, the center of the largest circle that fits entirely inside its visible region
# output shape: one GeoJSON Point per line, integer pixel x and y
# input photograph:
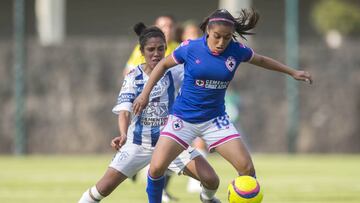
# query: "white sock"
{"type": "Point", "coordinates": [207, 194]}
{"type": "Point", "coordinates": [91, 195]}
{"type": "Point", "coordinates": [193, 186]}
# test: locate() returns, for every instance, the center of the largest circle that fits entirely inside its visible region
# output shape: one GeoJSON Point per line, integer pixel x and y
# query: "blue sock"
{"type": "Point", "coordinates": [155, 188]}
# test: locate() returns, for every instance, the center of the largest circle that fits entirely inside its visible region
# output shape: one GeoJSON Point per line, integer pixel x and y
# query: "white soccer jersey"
{"type": "Point", "coordinates": [145, 129]}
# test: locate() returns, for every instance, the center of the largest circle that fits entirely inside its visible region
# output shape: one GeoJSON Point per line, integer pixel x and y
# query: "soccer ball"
{"type": "Point", "coordinates": [244, 189]}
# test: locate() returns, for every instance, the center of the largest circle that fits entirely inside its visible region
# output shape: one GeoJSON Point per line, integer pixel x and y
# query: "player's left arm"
{"type": "Point", "coordinates": [271, 64]}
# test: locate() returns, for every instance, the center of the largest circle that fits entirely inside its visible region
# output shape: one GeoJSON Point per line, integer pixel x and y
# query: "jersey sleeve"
{"type": "Point", "coordinates": [246, 53]}
{"type": "Point", "coordinates": [126, 96]}
{"type": "Point", "coordinates": [178, 75]}
{"type": "Point", "coordinates": [171, 46]}
{"type": "Point", "coordinates": [180, 53]}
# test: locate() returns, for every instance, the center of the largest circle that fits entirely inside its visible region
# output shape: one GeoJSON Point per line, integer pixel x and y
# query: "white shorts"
{"type": "Point", "coordinates": [214, 132]}
{"type": "Point", "coordinates": [131, 158]}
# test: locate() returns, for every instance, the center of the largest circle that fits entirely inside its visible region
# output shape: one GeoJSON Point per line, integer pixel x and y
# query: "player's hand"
{"type": "Point", "coordinates": [140, 103]}
{"type": "Point", "coordinates": [302, 76]}
{"type": "Point", "coordinates": [118, 142]}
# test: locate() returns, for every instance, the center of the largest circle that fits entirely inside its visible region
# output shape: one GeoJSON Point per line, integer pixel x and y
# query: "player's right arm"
{"type": "Point", "coordinates": [123, 122]}
{"type": "Point", "coordinates": [143, 99]}
{"type": "Point", "coordinates": [123, 109]}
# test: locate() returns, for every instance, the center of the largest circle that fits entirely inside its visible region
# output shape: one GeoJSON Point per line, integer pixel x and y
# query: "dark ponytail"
{"type": "Point", "coordinates": [139, 28]}
{"type": "Point", "coordinates": [246, 21]}
{"type": "Point", "coordinates": [146, 33]}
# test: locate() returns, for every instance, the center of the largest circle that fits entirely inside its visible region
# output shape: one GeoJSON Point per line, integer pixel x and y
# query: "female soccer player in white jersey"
{"type": "Point", "coordinates": [138, 136]}
{"type": "Point", "coordinates": [210, 63]}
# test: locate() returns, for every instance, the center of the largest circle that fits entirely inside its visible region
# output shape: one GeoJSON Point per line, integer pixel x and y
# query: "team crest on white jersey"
{"type": "Point", "coordinates": [177, 124]}
{"type": "Point", "coordinates": [123, 155]}
{"type": "Point", "coordinates": [230, 63]}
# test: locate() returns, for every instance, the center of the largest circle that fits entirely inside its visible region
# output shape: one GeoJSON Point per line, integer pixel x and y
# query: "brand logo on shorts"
{"type": "Point", "coordinates": [177, 125]}
{"type": "Point", "coordinates": [230, 63]}
{"type": "Point", "coordinates": [122, 156]}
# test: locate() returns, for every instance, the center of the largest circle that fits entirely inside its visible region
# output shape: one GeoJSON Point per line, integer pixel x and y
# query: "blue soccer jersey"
{"type": "Point", "coordinates": [145, 129]}
{"type": "Point", "coordinates": [206, 78]}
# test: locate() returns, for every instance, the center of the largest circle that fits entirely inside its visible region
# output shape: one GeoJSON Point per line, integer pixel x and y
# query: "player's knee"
{"type": "Point", "coordinates": [156, 170]}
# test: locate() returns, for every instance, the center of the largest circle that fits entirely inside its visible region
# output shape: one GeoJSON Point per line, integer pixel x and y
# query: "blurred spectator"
{"type": "Point", "coordinates": [167, 24]}
{"type": "Point", "coordinates": [190, 30]}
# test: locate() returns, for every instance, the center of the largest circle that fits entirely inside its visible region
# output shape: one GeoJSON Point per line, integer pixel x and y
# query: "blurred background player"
{"type": "Point", "coordinates": [190, 30]}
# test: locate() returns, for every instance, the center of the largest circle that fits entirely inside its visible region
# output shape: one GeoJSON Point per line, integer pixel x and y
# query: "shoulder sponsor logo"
{"type": "Point", "coordinates": [126, 97]}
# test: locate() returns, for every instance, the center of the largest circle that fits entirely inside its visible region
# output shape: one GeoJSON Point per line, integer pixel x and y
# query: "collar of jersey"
{"type": "Point", "coordinates": [140, 67]}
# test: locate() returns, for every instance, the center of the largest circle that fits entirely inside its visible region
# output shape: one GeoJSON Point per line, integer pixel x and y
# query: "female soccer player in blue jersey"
{"type": "Point", "coordinates": [210, 63]}
{"type": "Point", "coordinates": [138, 136]}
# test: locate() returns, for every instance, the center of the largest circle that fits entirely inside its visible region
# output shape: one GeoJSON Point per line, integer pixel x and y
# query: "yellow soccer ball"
{"type": "Point", "coordinates": [244, 189]}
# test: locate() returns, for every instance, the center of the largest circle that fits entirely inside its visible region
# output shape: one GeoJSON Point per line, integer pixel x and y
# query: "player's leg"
{"type": "Point", "coordinates": [193, 185]}
{"type": "Point", "coordinates": [165, 151]}
{"type": "Point", "coordinates": [111, 179]}
{"type": "Point", "coordinates": [192, 163]}
{"type": "Point", "coordinates": [166, 196]}
{"type": "Point", "coordinates": [174, 138]}
{"type": "Point", "coordinates": [127, 162]}
{"type": "Point", "coordinates": [222, 136]}
{"type": "Point", "coordinates": [236, 152]}
{"type": "Point", "coordinates": [199, 169]}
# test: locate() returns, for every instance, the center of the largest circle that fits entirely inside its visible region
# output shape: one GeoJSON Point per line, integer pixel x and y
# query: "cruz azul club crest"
{"type": "Point", "coordinates": [230, 63]}
{"type": "Point", "coordinates": [177, 124]}
{"type": "Point", "coordinates": [200, 83]}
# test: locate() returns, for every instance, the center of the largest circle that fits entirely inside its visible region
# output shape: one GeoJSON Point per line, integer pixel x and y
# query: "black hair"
{"type": "Point", "coordinates": [246, 21]}
{"type": "Point", "coordinates": [146, 33]}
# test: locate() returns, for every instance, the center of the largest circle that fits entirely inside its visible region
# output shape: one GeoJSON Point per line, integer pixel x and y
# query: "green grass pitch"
{"type": "Point", "coordinates": [284, 179]}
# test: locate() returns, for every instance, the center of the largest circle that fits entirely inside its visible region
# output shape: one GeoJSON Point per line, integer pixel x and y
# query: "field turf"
{"type": "Point", "coordinates": [284, 179]}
